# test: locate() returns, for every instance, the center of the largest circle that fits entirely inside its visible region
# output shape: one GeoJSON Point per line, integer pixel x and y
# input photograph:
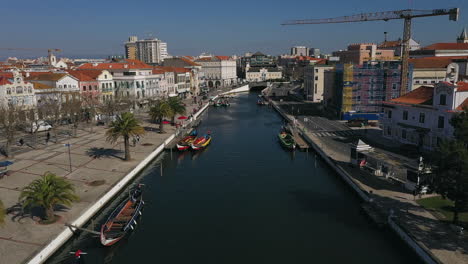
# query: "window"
{"type": "Point", "coordinates": [84, 87]}
{"type": "Point", "coordinates": [316, 78]}
{"type": "Point", "coordinates": [19, 90]}
{"type": "Point", "coordinates": [433, 82]}
{"type": "Point", "coordinates": [103, 87]}
{"type": "Point", "coordinates": [394, 86]}
{"type": "Point", "coordinates": [105, 76]}
{"type": "Point", "coordinates": [359, 98]}
{"type": "Point", "coordinates": [443, 99]}
{"type": "Point", "coordinates": [422, 118]}
{"type": "Point", "coordinates": [417, 82]}
{"type": "Point", "coordinates": [389, 113]}
{"type": "Point", "coordinates": [389, 131]}
{"type": "Point", "coordinates": [316, 70]}
{"type": "Point", "coordinates": [403, 134]}
{"type": "Point", "coordinates": [405, 115]}
{"type": "Point", "coordinates": [8, 91]}
{"type": "Point", "coordinates": [425, 82]}
{"type": "Point", "coordinates": [440, 122]}
{"type": "Point", "coordinates": [95, 87]}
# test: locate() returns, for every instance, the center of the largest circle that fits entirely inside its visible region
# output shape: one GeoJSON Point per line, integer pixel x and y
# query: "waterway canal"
{"type": "Point", "coordinates": [246, 200]}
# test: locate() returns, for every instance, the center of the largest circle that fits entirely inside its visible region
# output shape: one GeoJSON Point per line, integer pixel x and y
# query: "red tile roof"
{"type": "Point", "coordinates": [389, 44]}
{"type": "Point", "coordinates": [433, 62]}
{"type": "Point", "coordinates": [189, 62]}
{"type": "Point", "coordinates": [223, 57]}
{"type": "Point", "coordinates": [421, 95]}
{"type": "Point", "coordinates": [46, 77]}
{"type": "Point", "coordinates": [463, 105]}
{"type": "Point", "coordinates": [462, 87]}
{"type": "Point", "coordinates": [4, 80]}
{"type": "Point", "coordinates": [129, 64]}
{"type": "Point", "coordinates": [447, 46]}
{"type": "Point", "coordinates": [82, 76]}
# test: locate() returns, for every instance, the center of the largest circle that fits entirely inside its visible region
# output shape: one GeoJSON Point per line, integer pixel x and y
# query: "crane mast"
{"type": "Point", "coordinates": [407, 15]}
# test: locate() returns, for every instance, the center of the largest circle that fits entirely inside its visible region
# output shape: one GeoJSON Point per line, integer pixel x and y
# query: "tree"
{"type": "Point", "coordinates": [73, 108]}
{"type": "Point", "coordinates": [52, 110]}
{"type": "Point", "coordinates": [460, 125]}
{"type": "Point", "coordinates": [177, 107]}
{"type": "Point", "coordinates": [10, 122]}
{"type": "Point", "coordinates": [451, 179]}
{"type": "Point", "coordinates": [47, 192]}
{"type": "Point", "coordinates": [2, 213]}
{"type": "Point", "coordinates": [158, 111]}
{"type": "Point", "coordinates": [126, 126]}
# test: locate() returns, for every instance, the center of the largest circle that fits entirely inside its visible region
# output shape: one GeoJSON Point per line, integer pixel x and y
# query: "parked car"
{"type": "Point", "coordinates": [357, 122]}
{"type": "Point", "coordinates": [38, 127]}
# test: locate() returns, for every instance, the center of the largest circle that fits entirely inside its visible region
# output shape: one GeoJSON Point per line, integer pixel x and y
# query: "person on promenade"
{"type": "Point", "coordinates": [47, 138]}
{"type": "Point", "coordinates": [21, 142]}
{"type": "Point", "coordinates": [134, 141]}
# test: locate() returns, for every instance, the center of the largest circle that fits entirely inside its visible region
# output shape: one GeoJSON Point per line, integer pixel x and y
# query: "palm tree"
{"type": "Point", "coordinates": [177, 107]}
{"type": "Point", "coordinates": [2, 213]}
{"type": "Point", "coordinates": [47, 192]}
{"type": "Point", "coordinates": [126, 126]}
{"type": "Point", "coordinates": [160, 110]}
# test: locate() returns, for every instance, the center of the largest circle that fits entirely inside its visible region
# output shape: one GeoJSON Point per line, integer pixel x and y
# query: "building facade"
{"type": "Point", "coordinates": [361, 52]}
{"type": "Point", "coordinates": [299, 51]}
{"type": "Point", "coordinates": [16, 91]}
{"type": "Point", "coordinates": [218, 71]}
{"type": "Point", "coordinates": [262, 74]}
{"type": "Point", "coordinates": [319, 81]}
{"type": "Point", "coordinates": [421, 117]}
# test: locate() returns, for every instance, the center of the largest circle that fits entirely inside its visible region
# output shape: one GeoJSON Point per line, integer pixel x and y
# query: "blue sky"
{"type": "Point", "coordinates": [99, 28]}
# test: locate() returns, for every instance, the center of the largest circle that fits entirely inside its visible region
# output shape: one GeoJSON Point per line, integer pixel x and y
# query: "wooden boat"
{"type": "Point", "coordinates": [123, 219]}
{"type": "Point", "coordinates": [217, 103]}
{"type": "Point", "coordinates": [201, 142]}
{"type": "Point", "coordinates": [185, 143]}
{"type": "Point", "coordinates": [287, 140]}
{"type": "Point", "coordinates": [225, 103]}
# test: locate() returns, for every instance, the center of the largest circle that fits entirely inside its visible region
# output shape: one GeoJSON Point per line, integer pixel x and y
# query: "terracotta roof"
{"type": "Point", "coordinates": [222, 57]}
{"type": "Point", "coordinates": [40, 86]}
{"type": "Point", "coordinates": [158, 71]}
{"type": "Point", "coordinates": [447, 46]}
{"type": "Point", "coordinates": [204, 59]}
{"type": "Point", "coordinates": [86, 75]}
{"type": "Point", "coordinates": [189, 62]}
{"type": "Point", "coordinates": [422, 95]}
{"type": "Point", "coordinates": [463, 105]}
{"type": "Point", "coordinates": [81, 76]}
{"type": "Point", "coordinates": [4, 80]}
{"type": "Point", "coordinates": [431, 62]}
{"type": "Point", "coordinates": [129, 64]}
{"type": "Point", "coordinates": [462, 87]}
{"type": "Point", "coordinates": [47, 77]}
{"type": "Point", "coordinates": [389, 44]}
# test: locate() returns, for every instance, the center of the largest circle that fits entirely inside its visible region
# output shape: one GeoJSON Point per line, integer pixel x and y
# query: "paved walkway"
{"type": "Point", "coordinates": [442, 241]}
{"type": "Point", "coordinates": [92, 159]}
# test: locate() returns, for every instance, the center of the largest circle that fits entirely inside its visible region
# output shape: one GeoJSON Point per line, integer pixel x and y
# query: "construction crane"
{"type": "Point", "coordinates": [407, 15]}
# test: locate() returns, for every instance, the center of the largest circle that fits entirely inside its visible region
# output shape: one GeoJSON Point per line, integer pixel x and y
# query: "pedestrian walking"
{"type": "Point", "coordinates": [134, 141]}
{"type": "Point", "coordinates": [47, 138]}
{"type": "Point", "coordinates": [21, 142]}
{"type": "Point", "coordinates": [138, 138]}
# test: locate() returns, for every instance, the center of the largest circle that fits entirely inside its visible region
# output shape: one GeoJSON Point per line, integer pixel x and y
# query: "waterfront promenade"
{"type": "Point", "coordinates": [443, 244]}
{"type": "Point", "coordinates": [93, 160]}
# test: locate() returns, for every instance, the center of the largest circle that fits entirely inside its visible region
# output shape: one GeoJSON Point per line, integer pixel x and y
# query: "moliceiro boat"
{"type": "Point", "coordinates": [187, 141]}
{"type": "Point", "coordinates": [201, 142]}
{"type": "Point", "coordinates": [287, 140]}
{"type": "Point", "coordinates": [123, 219]}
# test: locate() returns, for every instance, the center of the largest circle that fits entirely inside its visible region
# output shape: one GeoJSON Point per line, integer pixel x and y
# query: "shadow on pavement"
{"type": "Point", "coordinates": [98, 153]}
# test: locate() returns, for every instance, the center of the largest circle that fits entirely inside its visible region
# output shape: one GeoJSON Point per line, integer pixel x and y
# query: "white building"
{"type": "Point", "coordinates": [151, 50]}
{"type": "Point", "coordinates": [421, 117]}
{"type": "Point", "coordinates": [14, 90]}
{"type": "Point", "coordinates": [319, 81]}
{"type": "Point", "coordinates": [262, 74]}
{"type": "Point", "coordinates": [299, 51]}
{"type": "Point", "coordinates": [218, 71]}
{"type": "Point", "coordinates": [54, 86]}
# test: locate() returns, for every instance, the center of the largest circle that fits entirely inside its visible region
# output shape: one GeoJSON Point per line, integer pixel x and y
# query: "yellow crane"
{"type": "Point", "coordinates": [407, 15]}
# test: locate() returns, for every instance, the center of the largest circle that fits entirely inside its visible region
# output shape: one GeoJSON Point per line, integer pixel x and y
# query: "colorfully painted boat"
{"type": "Point", "coordinates": [123, 219]}
{"type": "Point", "coordinates": [187, 141]}
{"type": "Point", "coordinates": [287, 140]}
{"type": "Point", "coordinates": [201, 142]}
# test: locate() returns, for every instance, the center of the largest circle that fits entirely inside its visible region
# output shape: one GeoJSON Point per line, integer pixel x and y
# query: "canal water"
{"type": "Point", "coordinates": [245, 200]}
